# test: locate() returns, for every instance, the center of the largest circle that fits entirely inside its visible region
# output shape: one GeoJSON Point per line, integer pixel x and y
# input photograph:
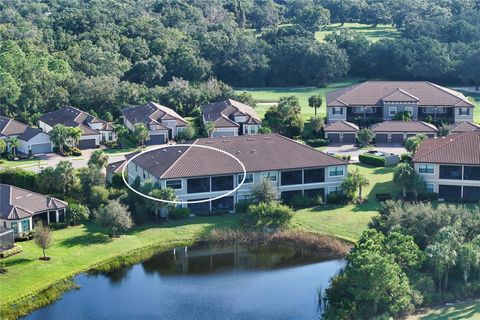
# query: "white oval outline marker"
{"type": "Point", "coordinates": [184, 145]}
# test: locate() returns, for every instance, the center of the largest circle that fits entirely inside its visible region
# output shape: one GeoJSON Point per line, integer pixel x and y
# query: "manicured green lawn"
{"type": "Point", "coordinates": [265, 97]}
{"type": "Point", "coordinates": [382, 31]}
{"type": "Point", "coordinates": [78, 249]}
{"type": "Point", "coordinates": [121, 150]}
{"type": "Point", "coordinates": [21, 163]}
{"type": "Point", "coordinates": [465, 310]}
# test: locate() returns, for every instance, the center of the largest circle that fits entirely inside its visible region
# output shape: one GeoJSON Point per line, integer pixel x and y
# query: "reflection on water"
{"type": "Point", "coordinates": [211, 281]}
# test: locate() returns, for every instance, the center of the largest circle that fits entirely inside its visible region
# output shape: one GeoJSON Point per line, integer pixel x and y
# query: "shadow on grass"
{"type": "Point", "coordinates": [17, 261]}
{"type": "Point", "coordinates": [460, 311]}
{"type": "Point", "coordinates": [87, 240]}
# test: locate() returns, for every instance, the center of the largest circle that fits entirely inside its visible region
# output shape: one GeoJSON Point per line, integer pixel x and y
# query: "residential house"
{"type": "Point", "coordinates": [31, 139]}
{"type": "Point", "coordinates": [377, 101]}
{"type": "Point", "coordinates": [464, 127]}
{"type": "Point", "coordinates": [399, 131]}
{"type": "Point", "coordinates": [341, 131]}
{"type": "Point", "coordinates": [231, 118]}
{"type": "Point", "coordinates": [163, 123]}
{"type": "Point", "coordinates": [451, 166]}
{"type": "Point", "coordinates": [197, 173]}
{"type": "Point", "coordinates": [21, 209]}
{"type": "Point", "coordinates": [95, 130]}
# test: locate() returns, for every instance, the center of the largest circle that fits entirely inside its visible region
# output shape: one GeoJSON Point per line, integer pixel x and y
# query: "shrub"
{"type": "Point", "coordinates": [337, 198]}
{"type": "Point", "coordinates": [179, 213]}
{"type": "Point", "coordinates": [77, 213]}
{"type": "Point", "coordinates": [371, 159]}
{"type": "Point", "coordinates": [405, 157]}
{"type": "Point", "coordinates": [58, 225]}
{"type": "Point", "coordinates": [19, 178]}
{"type": "Point", "coordinates": [117, 181]}
{"type": "Point", "coordinates": [98, 196]}
{"type": "Point", "coordinates": [315, 143]}
{"type": "Point", "coordinates": [383, 196]}
{"type": "Point", "coordinates": [427, 196]}
{"type": "Point", "coordinates": [10, 252]}
{"type": "Point", "coordinates": [345, 157]}
{"type": "Point", "coordinates": [300, 201]}
{"type": "Point", "coordinates": [268, 216]}
{"type": "Point", "coordinates": [242, 206]}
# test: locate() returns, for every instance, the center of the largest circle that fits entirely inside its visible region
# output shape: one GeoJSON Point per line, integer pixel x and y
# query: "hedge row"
{"type": "Point", "coordinates": [10, 252]}
{"type": "Point", "coordinates": [315, 143]}
{"type": "Point", "coordinates": [371, 159]}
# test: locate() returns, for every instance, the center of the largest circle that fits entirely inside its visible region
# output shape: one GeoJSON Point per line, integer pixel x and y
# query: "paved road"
{"type": "Point", "coordinates": [355, 151]}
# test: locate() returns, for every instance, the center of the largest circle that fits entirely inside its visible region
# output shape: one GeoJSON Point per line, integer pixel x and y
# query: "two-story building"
{"type": "Point", "coordinates": [32, 140]}
{"type": "Point", "coordinates": [21, 209]}
{"type": "Point", "coordinates": [451, 166]}
{"type": "Point", "coordinates": [163, 123]}
{"type": "Point", "coordinates": [383, 100]}
{"type": "Point", "coordinates": [231, 118]}
{"type": "Point", "coordinates": [94, 129]}
{"type": "Point", "coordinates": [197, 173]}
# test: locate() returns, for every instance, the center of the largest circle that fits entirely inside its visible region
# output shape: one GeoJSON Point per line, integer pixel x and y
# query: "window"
{"type": "Point", "coordinates": [358, 110]}
{"type": "Point", "coordinates": [429, 110]}
{"type": "Point", "coordinates": [335, 171]}
{"type": "Point", "coordinates": [248, 178]}
{"type": "Point", "coordinates": [441, 110]}
{"type": "Point", "coordinates": [222, 183]}
{"type": "Point", "coordinates": [409, 110]}
{"type": "Point", "coordinates": [13, 225]}
{"type": "Point", "coordinates": [174, 184]}
{"type": "Point", "coordinates": [464, 111]}
{"type": "Point", "coordinates": [253, 130]}
{"type": "Point", "coordinates": [26, 225]}
{"type": "Point", "coordinates": [392, 111]}
{"type": "Point", "coordinates": [430, 187]}
{"type": "Point", "coordinates": [224, 204]}
{"type": "Point", "coordinates": [451, 172]}
{"type": "Point", "coordinates": [291, 177]}
{"type": "Point", "coordinates": [337, 111]}
{"type": "Point", "coordinates": [196, 185]}
{"type": "Point", "coordinates": [270, 175]}
{"type": "Point", "coordinates": [244, 197]}
{"type": "Point", "coordinates": [314, 175]}
{"type": "Point", "coordinates": [472, 173]}
{"type": "Point", "coordinates": [334, 190]}
{"type": "Point", "coordinates": [426, 168]}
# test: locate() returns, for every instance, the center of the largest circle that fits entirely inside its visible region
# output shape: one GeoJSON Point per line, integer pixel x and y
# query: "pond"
{"type": "Point", "coordinates": [209, 281]}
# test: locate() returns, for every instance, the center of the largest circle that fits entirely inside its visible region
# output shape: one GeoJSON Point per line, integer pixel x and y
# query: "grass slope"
{"type": "Point", "coordinates": [77, 249]}
{"type": "Point", "coordinates": [373, 34]}
{"type": "Point", "coordinates": [464, 310]}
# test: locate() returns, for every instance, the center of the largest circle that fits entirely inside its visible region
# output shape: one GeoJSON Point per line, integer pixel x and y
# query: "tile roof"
{"type": "Point", "coordinates": [341, 126]}
{"type": "Point", "coordinates": [454, 149]}
{"type": "Point", "coordinates": [404, 126]}
{"type": "Point", "coordinates": [466, 126]}
{"type": "Point", "coordinates": [228, 109]}
{"type": "Point", "coordinates": [152, 113]}
{"type": "Point", "coordinates": [117, 166]}
{"type": "Point", "coordinates": [374, 93]}
{"type": "Point", "coordinates": [10, 127]}
{"type": "Point", "coordinates": [72, 117]}
{"type": "Point", "coordinates": [258, 153]}
{"type": "Point", "coordinates": [17, 203]}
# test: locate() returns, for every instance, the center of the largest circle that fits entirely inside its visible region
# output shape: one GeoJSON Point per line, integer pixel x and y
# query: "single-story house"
{"type": "Point", "coordinates": [21, 209]}
{"type": "Point", "coordinates": [399, 131]}
{"type": "Point", "coordinates": [341, 131]}
{"type": "Point", "coordinates": [381, 100]}
{"type": "Point", "coordinates": [94, 129]}
{"type": "Point", "coordinates": [31, 139]}
{"type": "Point", "coordinates": [163, 123]}
{"type": "Point", "coordinates": [451, 166]}
{"type": "Point", "coordinates": [231, 118]}
{"type": "Point", "coordinates": [197, 173]}
{"type": "Point", "coordinates": [463, 127]}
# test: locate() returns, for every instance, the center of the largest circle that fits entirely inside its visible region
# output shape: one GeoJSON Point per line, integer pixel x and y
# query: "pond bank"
{"type": "Point", "coordinates": [37, 299]}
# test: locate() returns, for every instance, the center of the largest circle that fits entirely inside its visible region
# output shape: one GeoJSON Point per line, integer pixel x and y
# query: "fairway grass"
{"type": "Point", "coordinates": [78, 249]}
{"type": "Point", "coordinates": [373, 34]}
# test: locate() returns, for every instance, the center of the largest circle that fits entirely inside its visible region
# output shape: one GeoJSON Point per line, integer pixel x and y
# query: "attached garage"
{"type": "Point", "coordinates": [156, 139]}
{"type": "Point", "coordinates": [396, 138]}
{"type": "Point", "coordinates": [41, 148]}
{"type": "Point", "coordinates": [87, 144]}
{"type": "Point", "coordinates": [334, 137]}
{"type": "Point", "coordinates": [381, 138]}
{"type": "Point", "coordinates": [349, 137]}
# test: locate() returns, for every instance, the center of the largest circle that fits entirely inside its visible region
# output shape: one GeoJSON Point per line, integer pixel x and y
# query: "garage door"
{"type": "Point", "coordinates": [334, 137]}
{"type": "Point", "coordinates": [41, 148]}
{"type": "Point", "coordinates": [219, 134]}
{"type": "Point", "coordinates": [397, 138]}
{"type": "Point", "coordinates": [156, 139]}
{"type": "Point", "coordinates": [381, 138]}
{"type": "Point", "coordinates": [349, 137]}
{"type": "Point", "coordinates": [87, 144]}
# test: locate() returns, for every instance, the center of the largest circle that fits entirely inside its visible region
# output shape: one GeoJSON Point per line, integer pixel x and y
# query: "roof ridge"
{"type": "Point", "coordinates": [9, 120]}
{"type": "Point", "coordinates": [449, 91]}
{"type": "Point", "coordinates": [178, 159]}
{"type": "Point", "coordinates": [452, 138]}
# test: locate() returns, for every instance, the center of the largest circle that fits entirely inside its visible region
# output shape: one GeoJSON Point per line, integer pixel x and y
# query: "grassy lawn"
{"type": "Point", "coordinates": [77, 249]}
{"type": "Point", "coordinates": [120, 151]}
{"type": "Point", "coordinates": [475, 96]}
{"type": "Point", "coordinates": [265, 97]}
{"type": "Point", "coordinates": [382, 31]}
{"type": "Point", "coordinates": [465, 310]}
{"type": "Point", "coordinates": [21, 163]}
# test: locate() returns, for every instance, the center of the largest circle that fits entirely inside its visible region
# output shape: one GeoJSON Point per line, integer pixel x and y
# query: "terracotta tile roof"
{"type": "Point", "coordinates": [258, 153]}
{"type": "Point", "coordinates": [342, 126]}
{"type": "Point", "coordinates": [117, 166]}
{"type": "Point", "coordinates": [152, 113]}
{"type": "Point", "coordinates": [454, 149]}
{"type": "Point", "coordinates": [224, 122]}
{"type": "Point", "coordinates": [229, 109]}
{"type": "Point", "coordinates": [466, 126]}
{"type": "Point", "coordinates": [17, 203]}
{"type": "Point", "coordinates": [373, 93]}
{"type": "Point", "coordinates": [72, 117]}
{"type": "Point", "coordinates": [404, 126]}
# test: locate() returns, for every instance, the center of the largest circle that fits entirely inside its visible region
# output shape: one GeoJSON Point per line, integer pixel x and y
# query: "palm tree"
{"type": "Point", "coordinates": [122, 133]}
{"type": "Point", "coordinates": [413, 143]}
{"type": "Point", "coordinates": [403, 176]}
{"type": "Point", "coordinates": [315, 101]}
{"type": "Point", "coordinates": [59, 136]}
{"type": "Point", "coordinates": [163, 208]}
{"type": "Point", "coordinates": [141, 133]}
{"type": "Point", "coordinates": [361, 182]}
{"type": "Point", "coordinates": [209, 127]}
{"type": "Point", "coordinates": [98, 159]}
{"type": "Point", "coordinates": [74, 134]}
{"type": "Point", "coordinates": [13, 143]}
{"type": "Point", "coordinates": [64, 175]}
{"type": "Point", "coordinates": [3, 146]}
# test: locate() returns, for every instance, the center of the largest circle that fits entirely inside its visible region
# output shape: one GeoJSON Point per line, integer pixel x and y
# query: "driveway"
{"type": "Point", "coordinates": [354, 152]}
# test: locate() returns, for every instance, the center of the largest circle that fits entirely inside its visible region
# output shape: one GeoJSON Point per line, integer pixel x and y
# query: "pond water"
{"type": "Point", "coordinates": [210, 281]}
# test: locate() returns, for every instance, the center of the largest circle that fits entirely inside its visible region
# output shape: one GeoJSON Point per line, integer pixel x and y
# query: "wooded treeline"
{"type": "Point", "coordinates": [103, 55]}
